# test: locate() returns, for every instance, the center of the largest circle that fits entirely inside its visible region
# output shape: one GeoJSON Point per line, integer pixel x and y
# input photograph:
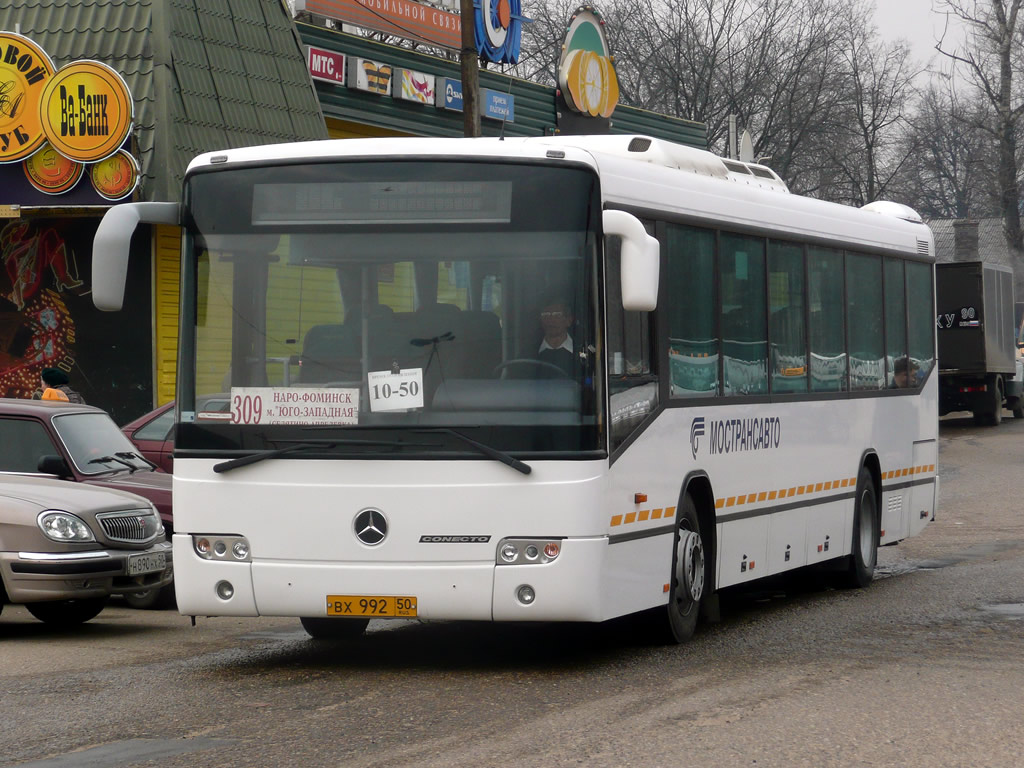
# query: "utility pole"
{"type": "Point", "coordinates": [470, 72]}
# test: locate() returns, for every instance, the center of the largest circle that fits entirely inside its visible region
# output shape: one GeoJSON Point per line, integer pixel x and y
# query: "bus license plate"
{"type": "Point", "coordinates": [370, 606]}
{"type": "Point", "coordinates": [147, 563]}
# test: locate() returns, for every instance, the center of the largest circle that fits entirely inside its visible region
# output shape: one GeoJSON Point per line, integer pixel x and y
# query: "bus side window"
{"type": "Point", "coordinates": [895, 319]}
{"type": "Point", "coordinates": [787, 317]}
{"type": "Point", "coordinates": [632, 374]}
{"type": "Point", "coordinates": [827, 327]}
{"type": "Point", "coordinates": [744, 335]}
{"type": "Point", "coordinates": [864, 321]}
{"type": "Point", "coordinates": [921, 332]}
{"type": "Point", "coordinates": [690, 309]}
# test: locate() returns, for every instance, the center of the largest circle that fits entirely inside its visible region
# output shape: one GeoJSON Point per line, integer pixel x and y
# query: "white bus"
{"type": "Point", "coordinates": [559, 378]}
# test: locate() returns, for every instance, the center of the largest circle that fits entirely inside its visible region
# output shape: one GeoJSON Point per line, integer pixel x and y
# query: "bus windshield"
{"type": "Point", "coordinates": [407, 299]}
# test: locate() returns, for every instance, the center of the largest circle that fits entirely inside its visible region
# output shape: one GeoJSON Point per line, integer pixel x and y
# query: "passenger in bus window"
{"type": "Point", "coordinates": [556, 347]}
{"type": "Point", "coordinates": [904, 373]}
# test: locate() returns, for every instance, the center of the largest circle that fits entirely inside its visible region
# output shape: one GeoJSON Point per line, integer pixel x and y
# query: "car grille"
{"type": "Point", "coordinates": [132, 527]}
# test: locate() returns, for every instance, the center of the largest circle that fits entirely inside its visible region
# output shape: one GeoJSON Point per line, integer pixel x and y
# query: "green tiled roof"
{"type": "Point", "coordinates": [204, 74]}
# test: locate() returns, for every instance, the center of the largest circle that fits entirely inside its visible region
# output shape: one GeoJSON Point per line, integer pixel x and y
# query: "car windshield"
{"type": "Point", "coordinates": [96, 445]}
{"type": "Point", "coordinates": [363, 297]}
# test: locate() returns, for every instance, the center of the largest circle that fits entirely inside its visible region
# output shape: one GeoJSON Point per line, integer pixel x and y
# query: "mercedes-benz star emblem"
{"type": "Point", "coordinates": [370, 526]}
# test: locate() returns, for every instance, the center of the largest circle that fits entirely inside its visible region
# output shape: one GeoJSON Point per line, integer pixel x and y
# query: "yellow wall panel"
{"type": "Point", "coordinates": [167, 272]}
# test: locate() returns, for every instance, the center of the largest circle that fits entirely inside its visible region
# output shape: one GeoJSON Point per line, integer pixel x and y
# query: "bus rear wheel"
{"type": "Point", "coordinates": [689, 574]}
{"type": "Point", "coordinates": [322, 628]}
{"type": "Point", "coordinates": [860, 569]}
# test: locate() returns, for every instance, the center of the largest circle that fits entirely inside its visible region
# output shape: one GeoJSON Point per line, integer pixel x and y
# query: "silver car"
{"type": "Point", "coordinates": [64, 548]}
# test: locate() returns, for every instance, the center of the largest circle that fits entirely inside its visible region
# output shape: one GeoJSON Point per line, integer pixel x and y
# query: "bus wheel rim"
{"type": "Point", "coordinates": [691, 565]}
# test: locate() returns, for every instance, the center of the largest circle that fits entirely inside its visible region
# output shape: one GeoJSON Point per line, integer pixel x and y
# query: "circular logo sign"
{"type": "Point", "coordinates": [50, 172]}
{"type": "Point", "coordinates": [586, 73]}
{"type": "Point", "coordinates": [115, 177]}
{"type": "Point", "coordinates": [86, 111]}
{"type": "Point", "coordinates": [25, 70]}
{"type": "Point", "coordinates": [370, 526]}
{"type": "Point", "coordinates": [498, 30]}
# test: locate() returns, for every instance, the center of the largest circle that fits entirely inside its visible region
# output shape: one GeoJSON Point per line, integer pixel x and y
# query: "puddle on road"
{"type": "Point", "coordinates": [130, 752]}
{"type": "Point", "coordinates": [1011, 611]}
{"type": "Point", "coordinates": [887, 570]}
{"type": "Point", "coordinates": [983, 551]}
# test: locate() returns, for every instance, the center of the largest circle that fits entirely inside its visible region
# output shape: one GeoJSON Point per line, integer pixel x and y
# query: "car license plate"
{"type": "Point", "coordinates": [147, 563]}
{"type": "Point", "coordinates": [370, 606]}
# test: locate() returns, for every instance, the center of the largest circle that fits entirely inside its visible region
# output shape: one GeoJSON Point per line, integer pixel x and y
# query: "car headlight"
{"type": "Point", "coordinates": [63, 526]}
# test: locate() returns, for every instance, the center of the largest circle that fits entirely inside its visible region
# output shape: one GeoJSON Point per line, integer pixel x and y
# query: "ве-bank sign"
{"type": "Point", "coordinates": [61, 123]}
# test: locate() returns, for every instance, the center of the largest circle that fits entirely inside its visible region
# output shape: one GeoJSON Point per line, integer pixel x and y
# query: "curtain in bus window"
{"type": "Point", "coordinates": [787, 317]}
{"type": "Point", "coordinates": [827, 329]}
{"type": "Point", "coordinates": [864, 316]}
{"type": "Point", "coordinates": [632, 378]}
{"type": "Point", "coordinates": [921, 328]}
{"type": "Point", "coordinates": [895, 322]}
{"type": "Point", "coordinates": [744, 336]}
{"type": "Point", "coordinates": [690, 308]}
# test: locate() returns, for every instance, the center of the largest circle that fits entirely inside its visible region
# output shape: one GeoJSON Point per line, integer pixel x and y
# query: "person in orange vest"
{"type": "Point", "coordinates": [56, 386]}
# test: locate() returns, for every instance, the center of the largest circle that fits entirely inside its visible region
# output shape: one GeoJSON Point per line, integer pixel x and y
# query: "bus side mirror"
{"type": "Point", "coordinates": [112, 244]}
{"type": "Point", "coordinates": [641, 255]}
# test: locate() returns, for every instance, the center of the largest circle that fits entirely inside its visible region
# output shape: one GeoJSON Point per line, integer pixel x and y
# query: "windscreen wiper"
{"type": "Point", "coordinates": [113, 460]}
{"type": "Point", "coordinates": [486, 450]}
{"type": "Point", "coordinates": [253, 458]}
{"type": "Point", "coordinates": [129, 455]}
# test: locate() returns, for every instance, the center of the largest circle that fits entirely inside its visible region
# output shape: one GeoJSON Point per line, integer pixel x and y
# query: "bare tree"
{"type": "Point", "coordinates": [993, 58]}
{"type": "Point", "coordinates": [950, 175]}
{"type": "Point", "coordinates": [870, 145]}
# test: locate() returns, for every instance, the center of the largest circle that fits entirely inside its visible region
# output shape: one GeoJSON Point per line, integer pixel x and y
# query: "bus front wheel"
{"type": "Point", "coordinates": [860, 569]}
{"type": "Point", "coordinates": [323, 628]}
{"type": "Point", "coordinates": [689, 574]}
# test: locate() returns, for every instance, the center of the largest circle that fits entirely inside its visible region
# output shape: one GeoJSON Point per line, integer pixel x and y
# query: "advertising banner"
{"type": "Point", "coordinates": [47, 318]}
{"type": "Point", "coordinates": [325, 65]}
{"type": "Point", "coordinates": [497, 105]}
{"type": "Point", "coordinates": [58, 126]}
{"type": "Point", "coordinates": [370, 76]}
{"type": "Point", "coordinates": [402, 18]}
{"type": "Point", "coordinates": [414, 86]}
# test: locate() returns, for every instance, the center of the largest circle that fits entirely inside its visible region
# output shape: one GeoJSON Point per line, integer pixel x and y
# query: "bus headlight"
{"type": "Point", "coordinates": [230, 548]}
{"type": "Point", "coordinates": [527, 551]}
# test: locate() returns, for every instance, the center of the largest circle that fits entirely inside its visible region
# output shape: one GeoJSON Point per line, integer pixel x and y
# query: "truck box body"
{"type": "Point", "coordinates": [974, 303]}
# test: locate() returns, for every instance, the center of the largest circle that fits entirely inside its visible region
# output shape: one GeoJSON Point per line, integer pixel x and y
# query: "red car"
{"type": "Point", "coordinates": [153, 433]}
{"type": "Point", "coordinates": [79, 443]}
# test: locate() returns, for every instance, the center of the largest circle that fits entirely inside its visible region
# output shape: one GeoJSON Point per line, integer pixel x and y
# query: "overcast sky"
{"type": "Point", "coordinates": [912, 20]}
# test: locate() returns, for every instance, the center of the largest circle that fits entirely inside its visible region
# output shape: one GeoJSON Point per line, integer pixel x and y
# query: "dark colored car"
{"type": "Point", "coordinates": [82, 444]}
{"type": "Point", "coordinates": [65, 548]}
{"type": "Point", "coordinates": [153, 432]}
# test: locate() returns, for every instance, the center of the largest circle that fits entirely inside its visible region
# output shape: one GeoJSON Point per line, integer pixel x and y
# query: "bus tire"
{"type": "Point", "coordinates": [860, 568]}
{"type": "Point", "coordinates": [689, 580]}
{"type": "Point", "coordinates": [325, 628]}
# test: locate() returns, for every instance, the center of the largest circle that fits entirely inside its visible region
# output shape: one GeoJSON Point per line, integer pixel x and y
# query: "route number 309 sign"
{"type": "Point", "coordinates": [395, 391]}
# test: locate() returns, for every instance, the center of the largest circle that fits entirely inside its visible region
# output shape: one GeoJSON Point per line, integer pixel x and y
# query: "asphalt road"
{"type": "Point", "coordinates": [924, 668]}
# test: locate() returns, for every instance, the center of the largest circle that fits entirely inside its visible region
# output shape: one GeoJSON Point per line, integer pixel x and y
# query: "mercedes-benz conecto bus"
{"type": "Point", "coordinates": [559, 378]}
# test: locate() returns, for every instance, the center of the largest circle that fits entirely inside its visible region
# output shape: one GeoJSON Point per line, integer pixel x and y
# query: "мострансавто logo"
{"type": "Point", "coordinates": [735, 435]}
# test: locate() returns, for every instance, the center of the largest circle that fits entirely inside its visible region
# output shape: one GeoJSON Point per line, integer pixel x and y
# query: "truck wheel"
{"type": "Point", "coordinates": [997, 401]}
